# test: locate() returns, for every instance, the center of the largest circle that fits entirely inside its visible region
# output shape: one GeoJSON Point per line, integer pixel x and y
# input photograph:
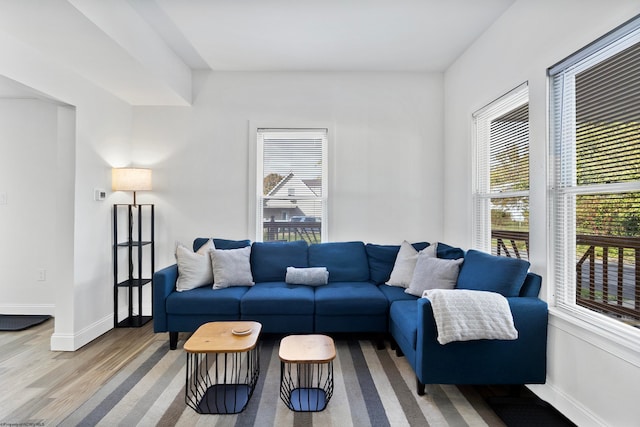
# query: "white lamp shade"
{"type": "Point", "coordinates": [130, 179]}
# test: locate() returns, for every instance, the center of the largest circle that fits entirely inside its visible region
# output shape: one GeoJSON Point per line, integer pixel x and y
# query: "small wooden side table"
{"type": "Point", "coordinates": [223, 366]}
{"type": "Point", "coordinates": [306, 372]}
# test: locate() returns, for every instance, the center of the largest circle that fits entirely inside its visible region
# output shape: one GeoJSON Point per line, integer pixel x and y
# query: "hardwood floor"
{"type": "Point", "coordinates": [42, 387]}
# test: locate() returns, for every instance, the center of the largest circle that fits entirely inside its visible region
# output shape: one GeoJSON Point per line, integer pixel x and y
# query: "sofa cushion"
{"type": "Point", "coordinates": [206, 301]}
{"type": "Point", "coordinates": [221, 243]}
{"type": "Point", "coordinates": [383, 257]}
{"type": "Point", "coordinates": [447, 252]}
{"type": "Point", "coordinates": [269, 260]}
{"type": "Point", "coordinates": [405, 315]}
{"type": "Point", "coordinates": [277, 298]}
{"type": "Point", "coordinates": [485, 272]}
{"type": "Point", "coordinates": [396, 293]}
{"type": "Point", "coordinates": [346, 261]}
{"type": "Point", "coordinates": [350, 298]}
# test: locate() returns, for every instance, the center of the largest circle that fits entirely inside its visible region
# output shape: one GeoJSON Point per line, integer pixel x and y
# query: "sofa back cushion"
{"type": "Point", "coordinates": [485, 272]}
{"type": "Point", "coordinates": [269, 260]}
{"type": "Point", "coordinates": [220, 243]}
{"type": "Point", "coordinates": [449, 252]}
{"type": "Point", "coordinates": [382, 259]}
{"type": "Point", "coordinates": [346, 261]}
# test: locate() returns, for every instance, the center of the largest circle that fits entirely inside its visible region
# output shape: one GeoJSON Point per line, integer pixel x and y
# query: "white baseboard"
{"type": "Point", "coordinates": [30, 309]}
{"type": "Point", "coordinates": [72, 342]}
{"type": "Point", "coordinates": [564, 403]}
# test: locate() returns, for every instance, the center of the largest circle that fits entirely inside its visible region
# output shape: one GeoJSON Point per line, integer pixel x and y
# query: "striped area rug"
{"type": "Point", "coordinates": [371, 388]}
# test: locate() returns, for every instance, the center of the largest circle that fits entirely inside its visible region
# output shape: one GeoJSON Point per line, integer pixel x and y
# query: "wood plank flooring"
{"type": "Point", "coordinates": [42, 387]}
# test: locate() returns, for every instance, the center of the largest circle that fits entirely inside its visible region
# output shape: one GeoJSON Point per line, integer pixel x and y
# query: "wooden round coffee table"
{"type": "Point", "coordinates": [222, 366]}
{"type": "Point", "coordinates": [306, 372]}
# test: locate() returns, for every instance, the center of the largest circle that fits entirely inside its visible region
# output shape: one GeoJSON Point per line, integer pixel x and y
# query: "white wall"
{"type": "Point", "coordinates": [92, 134]}
{"type": "Point", "coordinates": [592, 378]}
{"type": "Point", "coordinates": [385, 153]}
{"type": "Point", "coordinates": [28, 143]}
{"type": "Point", "coordinates": [103, 126]}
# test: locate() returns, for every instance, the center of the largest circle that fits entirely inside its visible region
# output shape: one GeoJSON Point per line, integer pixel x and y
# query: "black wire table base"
{"type": "Point", "coordinates": [306, 387]}
{"type": "Point", "coordinates": [221, 383]}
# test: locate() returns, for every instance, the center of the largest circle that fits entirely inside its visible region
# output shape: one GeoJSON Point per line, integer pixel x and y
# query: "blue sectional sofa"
{"type": "Point", "coordinates": [357, 300]}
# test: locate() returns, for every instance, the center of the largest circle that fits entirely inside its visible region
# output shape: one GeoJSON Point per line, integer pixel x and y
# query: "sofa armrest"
{"type": "Point", "coordinates": [164, 282]}
{"type": "Point", "coordinates": [529, 314]}
{"type": "Point", "coordinates": [521, 361]}
{"type": "Point", "coordinates": [531, 286]}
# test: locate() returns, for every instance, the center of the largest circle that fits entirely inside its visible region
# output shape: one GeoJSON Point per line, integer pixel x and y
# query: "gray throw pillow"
{"type": "Point", "coordinates": [231, 267]}
{"type": "Point", "coordinates": [434, 273]}
{"type": "Point", "coordinates": [405, 264]}
{"type": "Point", "coordinates": [311, 276]}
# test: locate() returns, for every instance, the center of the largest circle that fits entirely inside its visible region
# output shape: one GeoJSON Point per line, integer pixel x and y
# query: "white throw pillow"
{"type": "Point", "coordinates": [434, 273]}
{"type": "Point", "coordinates": [402, 272]}
{"type": "Point", "coordinates": [194, 268]}
{"type": "Point", "coordinates": [231, 267]}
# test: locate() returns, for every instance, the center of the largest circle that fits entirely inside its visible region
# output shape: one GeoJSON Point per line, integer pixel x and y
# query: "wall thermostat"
{"type": "Point", "coordinates": [99, 194]}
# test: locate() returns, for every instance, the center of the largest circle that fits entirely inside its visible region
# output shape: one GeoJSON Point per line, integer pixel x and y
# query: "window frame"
{"type": "Point", "coordinates": [481, 142]}
{"type": "Point", "coordinates": [257, 192]}
{"type": "Point", "coordinates": [563, 190]}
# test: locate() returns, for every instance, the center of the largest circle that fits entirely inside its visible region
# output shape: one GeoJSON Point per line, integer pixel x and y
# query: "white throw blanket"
{"type": "Point", "coordinates": [465, 315]}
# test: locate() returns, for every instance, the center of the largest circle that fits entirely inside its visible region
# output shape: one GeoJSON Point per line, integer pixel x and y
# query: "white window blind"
{"type": "Point", "coordinates": [595, 162]}
{"type": "Point", "coordinates": [501, 176]}
{"type": "Point", "coordinates": [292, 184]}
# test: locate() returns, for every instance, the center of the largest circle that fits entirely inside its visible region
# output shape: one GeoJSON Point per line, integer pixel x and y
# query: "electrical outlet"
{"type": "Point", "coordinates": [42, 275]}
{"type": "Point", "coordinates": [3, 198]}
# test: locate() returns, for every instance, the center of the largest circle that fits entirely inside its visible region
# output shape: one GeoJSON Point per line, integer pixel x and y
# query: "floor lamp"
{"type": "Point", "coordinates": [131, 179]}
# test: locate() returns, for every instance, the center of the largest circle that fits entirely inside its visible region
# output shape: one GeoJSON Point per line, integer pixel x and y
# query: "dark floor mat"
{"type": "Point", "coordinates": [527, 411]}
{"type": "Point", "coordinates": [18, 322]}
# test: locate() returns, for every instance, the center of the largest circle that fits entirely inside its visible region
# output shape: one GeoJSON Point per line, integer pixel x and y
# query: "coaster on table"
{"type": "Point", "coordinates": [241, 331]}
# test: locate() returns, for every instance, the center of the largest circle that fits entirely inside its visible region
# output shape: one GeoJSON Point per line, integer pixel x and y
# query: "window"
{"type": "Point", "coordinates": [501, 187]}
{"type": "Point", "coordinates": [292, 185]}
{"type": "Point", "coordinates": [595, 163]}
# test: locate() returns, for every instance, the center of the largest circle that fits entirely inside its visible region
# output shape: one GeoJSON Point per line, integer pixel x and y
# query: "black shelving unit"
{"type": "Point", "coordinates": [145, 253]}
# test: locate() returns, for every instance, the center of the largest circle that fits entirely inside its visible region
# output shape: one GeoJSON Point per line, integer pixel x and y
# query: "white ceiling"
{"type": "Point", "coordinates": [143, 51]}
{"type": "Point", "coordinates": [330, 35]}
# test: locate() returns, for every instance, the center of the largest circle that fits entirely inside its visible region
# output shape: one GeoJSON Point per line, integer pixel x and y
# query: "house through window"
{"type": "Point", "coordinates": [292, 187]}
{"type": "Point", "coordinates": [595, 160]}
{"type": "Point", "coordinates": [501, 187]}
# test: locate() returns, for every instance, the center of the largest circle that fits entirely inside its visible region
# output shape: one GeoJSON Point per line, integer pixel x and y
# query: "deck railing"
{"type": "Point", "coordinates": [511, 242]}
{"type": "Point", "coordinates": [290, 231]}
{"type": "Point", "coordinates": [606, 278]}
{"type": "Point", "coordinates": [606, 275]}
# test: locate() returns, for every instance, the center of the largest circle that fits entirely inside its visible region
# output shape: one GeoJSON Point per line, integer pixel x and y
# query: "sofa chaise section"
{"type": "Point", "coordinates": [520, 361]}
